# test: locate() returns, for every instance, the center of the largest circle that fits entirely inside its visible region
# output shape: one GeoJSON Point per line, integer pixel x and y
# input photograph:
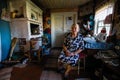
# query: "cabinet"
{"type": "Point", "coordinates": [110, 65]}
{"type": "Point", "coordinates": [111, 72]}
{"type": "Point", "coordinates": [26, 21]}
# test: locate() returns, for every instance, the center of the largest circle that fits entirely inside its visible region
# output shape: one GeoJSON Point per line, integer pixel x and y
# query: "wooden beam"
{"type": "Point", "coordinates": [65, 10]}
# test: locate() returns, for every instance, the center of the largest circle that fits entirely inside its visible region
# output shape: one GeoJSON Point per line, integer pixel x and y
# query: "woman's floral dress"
{"type": "Point", "coordinates": [72, 45]}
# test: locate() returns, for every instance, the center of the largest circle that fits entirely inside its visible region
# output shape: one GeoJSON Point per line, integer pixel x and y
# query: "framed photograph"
{"type": "Point", "coordinates": [69, 20]}
{"type": "Point", "coordinates": [5, 15]}
{"type": "Point", "coordinates": [22, 41]}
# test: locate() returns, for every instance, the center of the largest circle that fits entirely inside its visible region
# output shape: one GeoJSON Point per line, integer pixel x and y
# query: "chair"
{"type": "Point", "coordinates": [78, 67]}
{"type": "Point", "coordinates": [82, 58]}
{"type": "Point", "coordinates": [35, 48]}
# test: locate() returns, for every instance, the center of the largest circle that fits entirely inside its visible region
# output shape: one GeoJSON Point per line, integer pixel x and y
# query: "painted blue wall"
{"type": "Point", "coordinates": [5, 38]}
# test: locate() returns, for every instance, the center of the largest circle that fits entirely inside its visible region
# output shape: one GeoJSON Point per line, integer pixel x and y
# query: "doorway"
{"type": "Point", "coordinates": [60, 24]}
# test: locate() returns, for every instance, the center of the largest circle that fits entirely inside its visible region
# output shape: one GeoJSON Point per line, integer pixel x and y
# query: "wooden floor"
{"type": "Point", "coordinates": [5, 73]}
{"type": "Point", "coordinates": [50, 67]}
{"type": "Point", "coordinates": [51, 64]}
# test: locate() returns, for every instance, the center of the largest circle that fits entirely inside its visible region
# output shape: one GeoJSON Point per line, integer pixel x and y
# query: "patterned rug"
{"type": "Point", "coordinates": [50, 75]}
{"type": "Point", "coordinates": [5, 73]}
{"type": "Point", "coordinates": [28, 72]}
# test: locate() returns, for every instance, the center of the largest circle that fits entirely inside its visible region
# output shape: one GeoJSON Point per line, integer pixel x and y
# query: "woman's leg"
{"type": "Point", "coordinates": [60, 64]}
{"type": "Point", "coordinates": [61, 68]}
{"type": "Point", "coordinates": [68, 69]}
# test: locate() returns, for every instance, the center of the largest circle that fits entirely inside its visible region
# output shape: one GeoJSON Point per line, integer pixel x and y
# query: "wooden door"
{"type": "Point", "coordinates": [57, 31]}
{"type": "Point", "coordinates": [61, 24]}
{"type": "Point", "coordinates": [5, 38]}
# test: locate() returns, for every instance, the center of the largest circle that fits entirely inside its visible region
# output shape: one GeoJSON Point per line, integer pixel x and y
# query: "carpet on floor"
{"type": "Point", "coordinates": [29, 72]}
{"type": "Point", "coordinates": [50, 75]}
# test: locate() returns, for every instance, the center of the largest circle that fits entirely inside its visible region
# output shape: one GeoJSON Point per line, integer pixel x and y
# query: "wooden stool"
{"type": "Point", "coordinates": [38, 53]}
{"type": "Point", "coordinates": [35, 48]}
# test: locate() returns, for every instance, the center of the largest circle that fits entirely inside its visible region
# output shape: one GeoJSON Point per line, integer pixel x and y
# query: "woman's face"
{"type": "Point", "coordinates": [75, 28]}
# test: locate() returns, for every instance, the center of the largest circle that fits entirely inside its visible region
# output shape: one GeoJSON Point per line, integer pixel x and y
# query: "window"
{"type": "Point", "coordinates": [100, 17]}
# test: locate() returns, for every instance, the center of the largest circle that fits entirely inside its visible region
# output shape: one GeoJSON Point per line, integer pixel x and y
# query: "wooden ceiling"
{"type": "Point", "coordinates": [59, 4]}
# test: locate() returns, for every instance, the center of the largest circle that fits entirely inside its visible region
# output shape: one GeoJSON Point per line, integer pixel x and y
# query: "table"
{"type": "Point", "coordinates": [92, 47]}
{"type": "Point", "coordinates": [91, 43]}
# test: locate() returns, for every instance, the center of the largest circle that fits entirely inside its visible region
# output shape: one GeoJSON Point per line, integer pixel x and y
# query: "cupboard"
{"type": "Point", "coordinates": [26, 21]}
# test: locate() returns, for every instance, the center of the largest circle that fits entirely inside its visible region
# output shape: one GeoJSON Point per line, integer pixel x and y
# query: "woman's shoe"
{"type": "Point", "coordinates": [61, 70]}
{"type": "Point", "coordinates": [66, 75]}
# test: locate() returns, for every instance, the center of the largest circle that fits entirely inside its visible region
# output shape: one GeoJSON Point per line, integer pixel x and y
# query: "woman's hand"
{"type": "Point", "coordinates": [68, 53]}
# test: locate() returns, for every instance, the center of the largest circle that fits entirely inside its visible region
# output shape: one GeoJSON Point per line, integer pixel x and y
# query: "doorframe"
{"type": "Point", "coordinates": [52, 22]}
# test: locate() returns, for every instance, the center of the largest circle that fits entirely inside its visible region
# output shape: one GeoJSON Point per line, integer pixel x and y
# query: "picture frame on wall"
{"type": "Point", "coordinates": [22, 41]}
{"type": "Point", "coordinates": [69, 20]}
{"type": "Point", "coordinates": [4, 10]}
{"type": "Point", "coordinates": [5, 15]}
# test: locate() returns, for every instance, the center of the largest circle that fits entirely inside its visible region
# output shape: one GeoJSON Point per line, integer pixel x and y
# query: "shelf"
{"type": "Point", "coordinates": [24, 18]}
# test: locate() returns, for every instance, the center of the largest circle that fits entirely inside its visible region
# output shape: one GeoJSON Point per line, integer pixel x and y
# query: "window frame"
{"type": "Point", "coordinates": [98, 19]}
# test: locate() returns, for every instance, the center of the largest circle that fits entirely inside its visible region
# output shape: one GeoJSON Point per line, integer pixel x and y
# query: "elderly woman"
{"type": "Point", "coordinates": [73, 45]}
